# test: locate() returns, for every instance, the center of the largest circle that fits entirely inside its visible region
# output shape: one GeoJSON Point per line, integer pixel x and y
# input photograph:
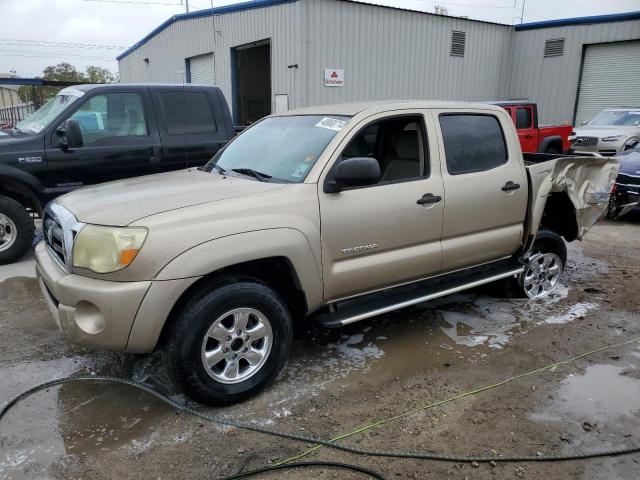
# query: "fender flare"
{"type": "Point", "coordinates": [546, 141]}
{"type": "Point", "coordinates": [239, 248]}
{"type": "Point", "coordinates": [25, 182]}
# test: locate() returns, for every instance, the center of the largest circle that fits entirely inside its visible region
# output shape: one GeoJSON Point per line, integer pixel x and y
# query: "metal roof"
{"type": "Point", "coordinates": [616, 17]}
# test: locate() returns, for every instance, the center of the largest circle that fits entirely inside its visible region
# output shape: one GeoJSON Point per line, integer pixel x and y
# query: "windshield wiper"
{"type": "Point", "coordinates": [263, 177]}
{"type": "Point", "coordinates": [219, 168]}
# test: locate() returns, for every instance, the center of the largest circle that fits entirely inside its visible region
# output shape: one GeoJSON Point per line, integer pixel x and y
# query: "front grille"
{"type": "Point", "coordinates": [585, 141]}
{"type": "Point", "coordinates": [628, 179]}
{"type": "Point", "coordinates": [54, 237]}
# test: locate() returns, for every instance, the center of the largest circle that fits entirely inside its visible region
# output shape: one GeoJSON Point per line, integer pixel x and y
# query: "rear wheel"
{"type": "Point", "coordinates": [16, 230]}
{"type": "Point", "coordinates": [552, 151]}
{"type": "Point", "coordinates": [229, 341]}
{"type": "Point", "coordinates": [543, 266]}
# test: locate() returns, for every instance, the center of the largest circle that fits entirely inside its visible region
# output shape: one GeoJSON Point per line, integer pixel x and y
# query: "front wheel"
{"type": "Point", "coordinates": [229, 341]}
{"type": "Point", "coordinates": [16, 230]}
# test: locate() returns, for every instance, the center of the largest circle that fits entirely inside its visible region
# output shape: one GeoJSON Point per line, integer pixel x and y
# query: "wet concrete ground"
{"type": "Point", "coordinates": [338, 380]}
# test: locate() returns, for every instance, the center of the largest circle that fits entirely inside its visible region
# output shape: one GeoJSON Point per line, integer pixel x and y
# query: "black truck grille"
{"type": "Point", "coordinates": [54, 238]}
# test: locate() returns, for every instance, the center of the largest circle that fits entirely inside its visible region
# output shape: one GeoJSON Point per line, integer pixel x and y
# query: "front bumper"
{"type": "Point", "coordinates": [95, 313]}
{"type": "Point", "coordinates": [107, 315]}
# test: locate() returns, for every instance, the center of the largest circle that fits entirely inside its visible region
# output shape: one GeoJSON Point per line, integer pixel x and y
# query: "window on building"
{"type": "Point", "coordinates": [187, 112]}
{"type": "Point", "coordinates": [111, 115]}
{"type": "Point", "coordinates": [472, 143]}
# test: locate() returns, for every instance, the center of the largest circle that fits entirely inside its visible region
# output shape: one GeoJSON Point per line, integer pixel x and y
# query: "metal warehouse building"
{"type": "Point", "coordinates": [273, 55]}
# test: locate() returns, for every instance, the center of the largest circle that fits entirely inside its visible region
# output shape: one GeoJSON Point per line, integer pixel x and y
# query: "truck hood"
{"type": "Point", "coordinates": [122, 202]}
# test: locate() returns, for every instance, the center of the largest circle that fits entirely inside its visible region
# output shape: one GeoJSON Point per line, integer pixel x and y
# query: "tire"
{"type": "Point", "coordinates": [544, 265]}
{"type": "Point", "coordinates": [16, 230]}
{"type": "Point", "coordinates": [210, 324]}
{"type": "Point", "coordinates": [552, 151]}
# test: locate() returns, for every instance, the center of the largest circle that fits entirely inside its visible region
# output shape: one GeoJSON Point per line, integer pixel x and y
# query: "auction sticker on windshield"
{"type": "Point", "coordinates": [331, 124]}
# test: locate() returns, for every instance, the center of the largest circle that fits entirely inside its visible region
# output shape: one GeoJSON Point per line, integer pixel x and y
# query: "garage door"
{"type": "Point", "coordinates": [201, 70]}
{"type": "Point", "coordinates": [610, 74]}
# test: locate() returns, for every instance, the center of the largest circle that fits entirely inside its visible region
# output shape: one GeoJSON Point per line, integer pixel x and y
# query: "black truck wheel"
{"type": "Point", "coordinates": [16, 230]}
{"type": "Point", "coordinates": [229, 341]}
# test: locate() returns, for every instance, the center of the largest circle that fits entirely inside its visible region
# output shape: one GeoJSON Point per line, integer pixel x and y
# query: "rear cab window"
{"type": "Point", "coordinates": [523, 118]}
{"type": "Point", "coordinates": [472, 142]}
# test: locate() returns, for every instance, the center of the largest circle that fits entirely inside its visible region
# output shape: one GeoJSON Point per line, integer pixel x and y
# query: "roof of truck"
{"type": "Point", "coordinates": [351, 109]}
{"type": "Point", "coordinates": [92, 86]}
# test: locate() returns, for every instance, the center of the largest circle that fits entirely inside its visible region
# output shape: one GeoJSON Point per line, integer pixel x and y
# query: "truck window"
{"type": "Point", "coordinates": [111, 115]}
{"type": "Point", "coordinates": [396, 143]}
{"type": "Point", "coordinates": [472, 143]}
{"type": "Point", "coordinates": [187, 112]}
{"type": "Point", "coordinates": [523, 118]}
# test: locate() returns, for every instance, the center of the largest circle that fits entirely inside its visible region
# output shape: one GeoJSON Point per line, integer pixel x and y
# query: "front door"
{"type": "Point", "coordinates": [379, 236]}
{"type": "Point", "coordinates": [486, 185]}
{"type": "Point", "coordinates": [120, 140]}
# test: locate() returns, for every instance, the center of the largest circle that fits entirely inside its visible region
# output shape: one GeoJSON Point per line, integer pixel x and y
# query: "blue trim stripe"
{"type": "Point", "coordinates": [616, 17]}
{"type": "Point", "coordinates": [208, 12]}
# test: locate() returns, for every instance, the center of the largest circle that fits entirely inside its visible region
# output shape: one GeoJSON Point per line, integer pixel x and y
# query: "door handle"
{"type": "Point", "coordinates": [510, 186]}
{"type": "Point", "coordinates": [429, 198]}
{"type": "Point", "coordinates": [528, 136]}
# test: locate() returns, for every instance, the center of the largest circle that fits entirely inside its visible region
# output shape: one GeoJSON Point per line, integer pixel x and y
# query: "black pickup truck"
{"type": "Point", "coordinates": [91, 134]}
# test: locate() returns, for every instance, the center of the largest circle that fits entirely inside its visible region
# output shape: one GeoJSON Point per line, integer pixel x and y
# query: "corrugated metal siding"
{"type": "Point", "coordinates": [168, 50]}
{"type": "Point", "coordinates": [610, 78]}
{"type": "Point", "coordinates": [389, 53]}
{"type": "Point", "coordinates": [553, 81]}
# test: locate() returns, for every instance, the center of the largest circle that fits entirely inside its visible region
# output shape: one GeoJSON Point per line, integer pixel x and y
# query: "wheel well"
{"type": "Point", "coordinates": [550, 241]}
{"type": "Point", "coordinates": [276, 272]}
{"type": "Point", "coordinates": [560, 216]}
{"type": "Point", "coordinates": [21, 194]}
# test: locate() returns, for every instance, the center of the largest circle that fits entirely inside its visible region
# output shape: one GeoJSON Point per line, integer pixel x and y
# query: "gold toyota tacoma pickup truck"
{"type": "Point", "coordinates": [333, 214]}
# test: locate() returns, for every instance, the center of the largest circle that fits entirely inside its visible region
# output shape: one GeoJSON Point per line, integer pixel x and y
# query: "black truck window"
{"type": "Point", "coordinates": [187, 112]}
{"type": "Point", "coordinates": [111, 115]}
{"type": "Point", "coordinates": [472, 143]}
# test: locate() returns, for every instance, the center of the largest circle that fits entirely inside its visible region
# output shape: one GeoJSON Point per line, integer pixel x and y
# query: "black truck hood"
{"type": "Point", "coordinates": [19, 144]}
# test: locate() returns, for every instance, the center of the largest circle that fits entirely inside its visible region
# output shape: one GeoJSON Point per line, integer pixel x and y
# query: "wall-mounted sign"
{"type": "Point", "coordinates": [333, 77]}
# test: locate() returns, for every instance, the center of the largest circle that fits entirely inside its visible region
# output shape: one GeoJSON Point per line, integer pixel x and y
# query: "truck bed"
{"type": "Point", "coordinates": [586, 180]}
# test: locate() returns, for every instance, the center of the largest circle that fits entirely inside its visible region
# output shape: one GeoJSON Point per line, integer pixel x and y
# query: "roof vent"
{"type": "Point", "coordinates": [554, 47]}
{"type": "Point", "coordinates": [458, 40]}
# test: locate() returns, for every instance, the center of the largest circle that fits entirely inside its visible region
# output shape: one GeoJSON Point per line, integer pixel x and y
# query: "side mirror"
{"type": "Point", "coordinates": [584, 123]}
{"type": "Point", "coordinates": [354, 172]}
{"type": "Point", "coordinates": [70, 134]}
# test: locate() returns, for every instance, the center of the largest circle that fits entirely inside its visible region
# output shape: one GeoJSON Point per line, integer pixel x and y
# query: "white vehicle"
{"type": "Point", "coordinates": [612, 131]}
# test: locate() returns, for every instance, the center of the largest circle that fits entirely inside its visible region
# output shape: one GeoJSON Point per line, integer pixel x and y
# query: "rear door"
{"type": "Point", "coordinates": [192, 126]}
{"type": "Point", "coordinates": [486, 187]}
{"type": "Point", "coordinates": [378, 236]}
{"type": "Point", "coordinates": [120, 140]}
{"type": "Point", "coordinates": [527, 130]}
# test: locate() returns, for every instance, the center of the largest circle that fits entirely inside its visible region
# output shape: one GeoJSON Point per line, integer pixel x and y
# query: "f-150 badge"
{"type": "Point", "coordinates": [29, 159]}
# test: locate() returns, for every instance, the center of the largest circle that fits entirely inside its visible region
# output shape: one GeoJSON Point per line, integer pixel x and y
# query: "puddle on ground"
{"type": "Point", "coordinates": [600, 394]}
{"type": "Point", "coordinates": [82, 419]}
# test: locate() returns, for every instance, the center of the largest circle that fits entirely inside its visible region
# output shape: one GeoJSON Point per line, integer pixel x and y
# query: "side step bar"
{"type": "Point", "coordinates": [373, 304]}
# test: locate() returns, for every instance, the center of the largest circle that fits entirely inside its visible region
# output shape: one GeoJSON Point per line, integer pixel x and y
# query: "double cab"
{"type": "Point", "coordinates": [333, 214]}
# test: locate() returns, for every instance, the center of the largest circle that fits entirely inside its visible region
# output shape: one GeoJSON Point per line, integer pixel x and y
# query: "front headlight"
{"type": "Point", "coordinates": [107, 249]}
{"type": "Point", "coordinates": [612, 138]}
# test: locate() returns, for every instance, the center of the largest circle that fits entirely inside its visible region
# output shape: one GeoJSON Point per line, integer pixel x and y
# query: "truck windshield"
{"type": "Point", "coordinates": [41, 118]}
{"type": "Point", "coordinates": [279, 149]}
{"type": "Point", "coordinates": [620, 118]}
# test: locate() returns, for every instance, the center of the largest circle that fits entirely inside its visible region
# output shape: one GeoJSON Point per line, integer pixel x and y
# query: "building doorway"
{"type": "Point", "coordinates": [252, 82]}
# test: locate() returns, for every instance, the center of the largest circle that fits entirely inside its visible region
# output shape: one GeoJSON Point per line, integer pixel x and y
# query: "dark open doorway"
{"type": "Point", "coordinates": [252, 82]}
